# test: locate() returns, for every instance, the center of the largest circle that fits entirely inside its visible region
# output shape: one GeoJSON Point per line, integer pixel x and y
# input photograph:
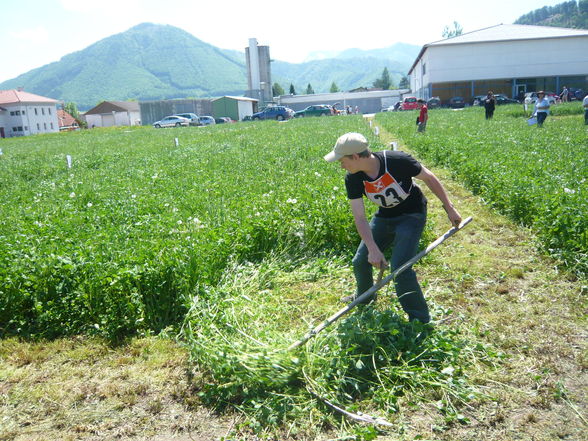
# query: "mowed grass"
{"type": "Point", "coordinates": [470, 375]}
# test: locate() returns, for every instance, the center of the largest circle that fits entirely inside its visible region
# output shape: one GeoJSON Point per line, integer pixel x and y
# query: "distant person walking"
{"type": "Point", "coordinates": [423, 115]}
{"type": "Point", "coordinates": [541, 108]}
{"type": "Point", "coordinates": [565, 95]}
{"type": "Point", "coordinates": [489, 105]}
{"type": "Point", "coordinates": [585, 105]}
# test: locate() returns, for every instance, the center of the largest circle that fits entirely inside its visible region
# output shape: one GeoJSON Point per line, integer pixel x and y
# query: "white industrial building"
{"type": "Point", "coordinates": [23, 113]}
{"type": "Point", "coordinates": [507, 59]}
{"type": "Point", "coordinates": [259, 79]}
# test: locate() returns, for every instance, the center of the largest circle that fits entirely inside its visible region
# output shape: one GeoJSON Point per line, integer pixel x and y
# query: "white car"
{"type": "Point", "coordinates": [172, 121]}
{"type": "Point", "coordinates": [207, 120]}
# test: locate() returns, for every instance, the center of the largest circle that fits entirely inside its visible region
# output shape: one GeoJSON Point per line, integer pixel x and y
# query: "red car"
{"type": "Point", "coordinates": [409, 103]}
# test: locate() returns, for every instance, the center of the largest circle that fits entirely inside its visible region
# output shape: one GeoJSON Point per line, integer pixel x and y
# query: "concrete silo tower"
{"type": "Point", "coordinates": [259, 77]}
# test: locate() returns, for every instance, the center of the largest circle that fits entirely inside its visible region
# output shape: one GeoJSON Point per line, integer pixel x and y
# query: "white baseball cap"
{"type": "Point", "coordinates": [347, 144]}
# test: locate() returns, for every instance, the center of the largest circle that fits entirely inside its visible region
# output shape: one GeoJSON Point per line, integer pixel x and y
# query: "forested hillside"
{"type": "Point", "coordinates": [572, 14]}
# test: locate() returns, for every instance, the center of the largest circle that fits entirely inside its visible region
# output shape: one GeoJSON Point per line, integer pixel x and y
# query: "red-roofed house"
{"type": "Point", "coordinates": [66, 121]}
{"type": "Point", "coordinates": [23, 113]}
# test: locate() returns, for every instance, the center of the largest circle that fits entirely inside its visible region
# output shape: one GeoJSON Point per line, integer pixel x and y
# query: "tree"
{"type": "Point", "coordinates": [72, 109]}
{"type": "Point", "coordinates": [404, 83]}
{"type": "Point", "coordinates": [309, 90]}
{"type": "Point", "coordinates": [334, 88]}
{"type": "Point", "coordinates": [384, 81]}
{"type": "Point", "coordinates": [450, 33]}
{"type": "Point", "coordinates": [292, 91]}
{"type": "Point", "coordinates": [277, 90]}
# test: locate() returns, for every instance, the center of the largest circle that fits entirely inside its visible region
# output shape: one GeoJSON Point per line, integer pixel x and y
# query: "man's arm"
{"type": "Point", "coordinates": [375, 255]}
{"type": "Point", "coordinates": [437, 188]}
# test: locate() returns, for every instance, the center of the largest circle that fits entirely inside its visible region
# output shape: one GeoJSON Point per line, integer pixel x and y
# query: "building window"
{"type": "Point", "coordinates": [38, 125]}
{"type": "Point", "coordinates": [16, 113]}
{"type": "Point", "coordinates": [42, 111]}
{"type": "Point", "coordinates": [51, 126]}
{"type": "Point", "coordinates": [45, 126]}
{"type": "Point", "coordinates": [49, 110]}
{"type": "Point", "coordinates": [424, 68]}
{"type": "Point", "coordinates": [26, 128]}
{"type": "Point", "coordinates": [36, 111]}
{"type": "Point", "coordinates": [23, 112]}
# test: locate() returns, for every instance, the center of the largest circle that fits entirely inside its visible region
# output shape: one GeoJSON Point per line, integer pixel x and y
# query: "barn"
{"type": "Point", "coordinates": [114, 113]}
{"type": "Point", "coordinates": [509, 59]}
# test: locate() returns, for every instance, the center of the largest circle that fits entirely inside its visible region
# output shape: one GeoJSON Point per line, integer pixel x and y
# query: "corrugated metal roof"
{"type": "Point", "coordinates": [504, 32]}
{"type": "Point", "coordinates": [19, 96]}
{"type": "Point", "coordinates": [508, 32]}
{"type": "Point", "coordinates": [237, 98]}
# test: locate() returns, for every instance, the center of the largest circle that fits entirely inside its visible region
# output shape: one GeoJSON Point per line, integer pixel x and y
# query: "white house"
{"type": "Point", "coordinates": [23, 113]}
{"type": "Point", "coordinates": [507, 59]}
{"type": "Point", "coordinates": [114, 113]}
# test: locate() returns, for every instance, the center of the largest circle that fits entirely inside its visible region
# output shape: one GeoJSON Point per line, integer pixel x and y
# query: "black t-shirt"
{"type": "Point", "coordinates": [392, 190]}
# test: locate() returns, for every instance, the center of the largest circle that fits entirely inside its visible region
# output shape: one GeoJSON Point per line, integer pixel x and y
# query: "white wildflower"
{"type": "Point", "coordinates": [291, 200]}
{"type": "Point", "coordinates": [72, 195]}
{"type": "Point", "coordinates": [317, 174]}
{"type": "Point", "coordinates": [89, 204]}
{"type": "Point", "coordinates": [569, 190]}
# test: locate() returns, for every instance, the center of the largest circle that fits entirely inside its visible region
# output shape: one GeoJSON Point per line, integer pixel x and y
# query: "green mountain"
{"type": "Point", "coordinates": [147, 62]}
{"type": "Point", "coordinates": [571, 14]}
{"type": "Point", "coordinates": [150, 62]}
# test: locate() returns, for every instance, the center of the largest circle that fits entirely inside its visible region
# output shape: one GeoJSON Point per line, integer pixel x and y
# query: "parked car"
{"type": "Point", "coordinates": [315, 110]}
{"type": "Point", "coordinates": [172, 121]}
{"type": "Point", "coordinates": [434, 102]}
{"type": "Point", "coordinates": [456, 102]}
{"type": "Point", "coordinates": [223, 120]}
{"type": "Point", "coordinates": [531, 97]}
{"type": "Point", "coordinates": [409, 103]}
{"type": "Point", "coordinates": [207, 120]}
{"type": "Point", "coordinates": [194, 120]}
{"type": "Point", "coordinates": [576, 94]}
{"type": "Point", "coordinates": [274, 112]}
{"type": "Point", "coordinates": [503, 99]}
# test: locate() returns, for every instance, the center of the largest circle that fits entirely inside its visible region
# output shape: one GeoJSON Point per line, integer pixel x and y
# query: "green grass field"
{"type": "Point", "coordinates": [238, 240]}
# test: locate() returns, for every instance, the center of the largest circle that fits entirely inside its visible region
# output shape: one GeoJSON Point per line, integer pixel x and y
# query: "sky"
{"type": "Point", "coordinates": [34, 33]}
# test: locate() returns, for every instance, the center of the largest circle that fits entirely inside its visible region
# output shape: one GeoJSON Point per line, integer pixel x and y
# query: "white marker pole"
{"type": "Point", "coordinates": [68, 157]}
{"type": "Point", "coordinates": [177, 142]}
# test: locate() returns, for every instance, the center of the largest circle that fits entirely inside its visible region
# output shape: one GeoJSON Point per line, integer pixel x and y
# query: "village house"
{"type": "Point", "coordinates": [23, 113]}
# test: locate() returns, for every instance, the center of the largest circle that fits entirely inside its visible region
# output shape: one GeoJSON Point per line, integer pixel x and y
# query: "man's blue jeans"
{"type": "Point", "coordinates": [402, 233]}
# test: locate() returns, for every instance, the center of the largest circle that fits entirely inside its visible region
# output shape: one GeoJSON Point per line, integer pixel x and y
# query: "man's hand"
{"type": "Point", "coordinates": [377, 258]}
{"type": "Point", "coordinates": [453, 215]}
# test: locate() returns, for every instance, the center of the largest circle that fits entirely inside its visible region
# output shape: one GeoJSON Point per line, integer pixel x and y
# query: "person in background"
{"type": "Point", "coordinates": [423, 115]}
{"type": "Point", "coordinates": [565, 95]}
{"type": "Point", "coordinates": [489, 104]}
{"type": "Point", "coordinates": [585, 105]}
{"type": "Point", "coordinates": [541, 108]}
{"type": "Point", "coordinates": [386, 179]}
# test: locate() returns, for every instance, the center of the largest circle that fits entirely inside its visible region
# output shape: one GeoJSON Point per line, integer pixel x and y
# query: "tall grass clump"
{"type": "Point", "coordinates": [536, 176]}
